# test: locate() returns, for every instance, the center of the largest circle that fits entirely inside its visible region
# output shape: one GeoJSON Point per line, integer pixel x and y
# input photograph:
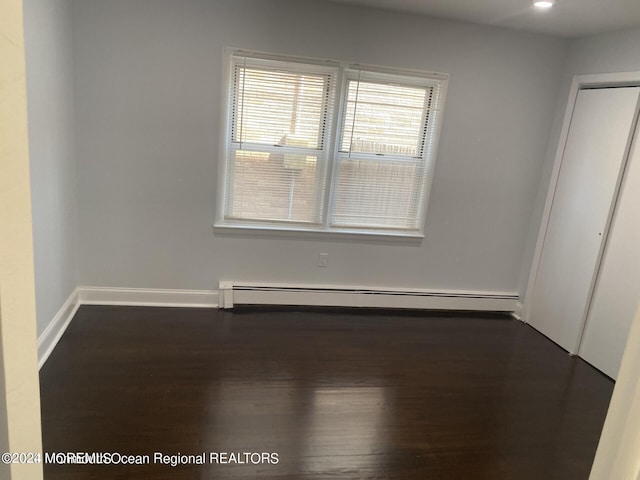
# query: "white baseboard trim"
{"type": "Point", "coordinates": [148, 297]}
{"type": "Point", "coordinates": [517, 313]}
{"type": "Point", "coordinates": [232, 293]}
{"type": "Point", "coordinates": [243, 294]}
{"type": "Point", "coordinates": [58, 325]}
{"type": "Point", "coordinates": [48, 340]}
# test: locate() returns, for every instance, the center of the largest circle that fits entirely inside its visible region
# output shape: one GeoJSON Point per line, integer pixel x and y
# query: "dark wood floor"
{"type": "Point", "coordinates": [337, 395]}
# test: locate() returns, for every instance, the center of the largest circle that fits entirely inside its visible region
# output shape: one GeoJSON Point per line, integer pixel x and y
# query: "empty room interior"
{"type": "Point", "coordinates": [330, 239]}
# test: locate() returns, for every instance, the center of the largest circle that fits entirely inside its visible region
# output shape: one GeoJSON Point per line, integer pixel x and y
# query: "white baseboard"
{"type": "Point", "coordinates": [148, 297]}
{"type": "Point", "coordinates": [517, 313]}
{"type": "Point", "coordinates": [48, 340]}
{"type": "Point", "coordinates": [52, 334]}
{"type": "Point", "coordinates": [272, 295]}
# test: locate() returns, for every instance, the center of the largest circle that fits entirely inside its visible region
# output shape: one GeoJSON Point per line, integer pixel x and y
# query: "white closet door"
{"type": "Point", "coordinates": [617, 293]}
{"type": "Point", "coordinates": [599, 135]}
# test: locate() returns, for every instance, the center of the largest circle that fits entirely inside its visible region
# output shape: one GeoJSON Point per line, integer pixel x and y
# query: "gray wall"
{"type": "Point", "coordinates": [612, 52]}
{"type": "Point", "coordinates": [148, 97]}
{"type": "Point", "coordinates": [52, 153]}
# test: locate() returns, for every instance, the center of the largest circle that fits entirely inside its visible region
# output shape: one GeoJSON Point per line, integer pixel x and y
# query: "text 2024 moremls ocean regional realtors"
{"type": "Point", "coordinates": [156, 458]}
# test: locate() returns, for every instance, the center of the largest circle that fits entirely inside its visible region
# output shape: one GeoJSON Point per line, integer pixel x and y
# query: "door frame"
{"type": "Point", "coordinates": [20, 424]}
{"type": "Point", "coordinates": [598, 80]}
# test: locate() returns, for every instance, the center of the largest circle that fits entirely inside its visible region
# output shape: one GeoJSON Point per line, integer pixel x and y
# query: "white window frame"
{"type": "Point", "coordinates": [333, 137]}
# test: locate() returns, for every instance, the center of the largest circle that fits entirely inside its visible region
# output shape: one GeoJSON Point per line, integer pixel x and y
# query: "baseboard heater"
{"type": "Point", "coordinates": [235, 293]}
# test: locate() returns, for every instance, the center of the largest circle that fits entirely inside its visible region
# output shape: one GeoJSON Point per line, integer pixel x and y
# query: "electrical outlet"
{"type": "Point", "coordinates": [323, 259]}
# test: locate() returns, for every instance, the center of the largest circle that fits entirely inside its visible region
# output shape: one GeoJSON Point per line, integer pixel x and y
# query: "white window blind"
{"type": "Point", "coordinates": [280, 117]}
{"type": "Point", "coordinates": [385, 149]}
{"type": "Point", "coordinates": [324, 147]}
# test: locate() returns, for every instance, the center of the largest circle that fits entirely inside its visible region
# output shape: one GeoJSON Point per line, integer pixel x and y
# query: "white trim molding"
{"type": "Point", "coordinates": [517, 312]}
{"type": "Point", "coordinates": [236, 293]}
{"type": "Point", "coordinates": [48, 340]}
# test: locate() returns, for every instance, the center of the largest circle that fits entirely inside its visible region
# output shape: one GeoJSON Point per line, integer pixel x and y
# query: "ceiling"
{"type": "Point", "coordinates": [568, 18]}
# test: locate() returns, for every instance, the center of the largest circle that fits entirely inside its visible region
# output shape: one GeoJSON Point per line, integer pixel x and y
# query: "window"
{"type": "Point", "coordinates": [323, 146]}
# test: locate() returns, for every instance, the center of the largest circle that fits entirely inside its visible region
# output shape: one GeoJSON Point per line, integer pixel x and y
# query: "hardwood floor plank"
{"type": "Point", "coordinates": [336, 394]}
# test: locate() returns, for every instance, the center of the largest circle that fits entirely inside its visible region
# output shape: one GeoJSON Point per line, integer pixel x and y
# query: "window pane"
{"type": "Point", "coordinates": [281, 145]}
{"type": "Point", "coordinates": [389, 119]}
{"type": "Point", "coordinates": [279, 108]}
{"type": "Point", "coordinates": [274, 186]}
{"type": "Point", "coordinates": [378, 193]}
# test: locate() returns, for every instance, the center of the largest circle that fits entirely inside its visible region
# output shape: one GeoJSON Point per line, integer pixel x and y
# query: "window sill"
{"type": "Point", "coordinates": [298, 232]}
